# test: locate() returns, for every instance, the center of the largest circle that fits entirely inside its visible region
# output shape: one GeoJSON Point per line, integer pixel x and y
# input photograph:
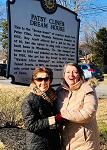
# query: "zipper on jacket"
{"type": "Point", "coordinates": [70, 94]}
{"type": "Point", "coordinates": [85, 137]}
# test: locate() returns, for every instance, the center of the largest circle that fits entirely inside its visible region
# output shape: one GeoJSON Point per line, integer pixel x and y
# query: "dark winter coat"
{"type": "Point", "coordinates": [39, 136]}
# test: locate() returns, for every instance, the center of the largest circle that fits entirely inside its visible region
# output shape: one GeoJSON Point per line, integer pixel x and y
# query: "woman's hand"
{"type": "Point", "coordinates": [58, 118]}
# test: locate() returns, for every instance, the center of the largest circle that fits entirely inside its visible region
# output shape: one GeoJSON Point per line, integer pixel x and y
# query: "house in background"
{"type": "Point", "coordinates": [3, 57]}
{"type": "Point", "coordinates": [85, 56]}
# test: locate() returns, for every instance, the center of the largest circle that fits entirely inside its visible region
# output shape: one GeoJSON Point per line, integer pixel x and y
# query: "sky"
{"type": "Point", "coordinates": [99, 14]}
{"type": "Point", "coordinates": [93, 15]}
{"type": "Point", "coordinates": [93, 18]}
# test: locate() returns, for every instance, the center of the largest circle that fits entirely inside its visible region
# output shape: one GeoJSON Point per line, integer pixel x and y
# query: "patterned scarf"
{"type": "Point", "coordinates": [49, 95]}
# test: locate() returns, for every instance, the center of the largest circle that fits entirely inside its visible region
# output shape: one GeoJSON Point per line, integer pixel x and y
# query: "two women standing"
{"type": "Point", "coordinates": [77, 104]}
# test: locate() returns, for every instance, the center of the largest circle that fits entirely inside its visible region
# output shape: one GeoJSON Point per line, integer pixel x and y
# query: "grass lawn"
{"type": "Point", "coordinates": [102, 122]}
{"type": "Point", "coordinates": [102, 119]}
{"type": "Point", "coordinates": [105, 79]}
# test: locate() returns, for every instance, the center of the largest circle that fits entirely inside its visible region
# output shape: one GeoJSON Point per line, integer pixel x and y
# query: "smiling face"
{"type": "Point", "coordinates": [71, 75]}
{"type": "Point", "coordinates": [42, 81]}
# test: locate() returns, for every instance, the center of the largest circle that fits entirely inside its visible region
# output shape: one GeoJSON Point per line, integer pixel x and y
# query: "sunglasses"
{"type": "Point", "coordinates": [41, 79]}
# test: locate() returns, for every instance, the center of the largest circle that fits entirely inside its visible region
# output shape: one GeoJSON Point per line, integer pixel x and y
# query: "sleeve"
{"type": "Point", "coordinates": [85, 113]}
{"type": "Point", "coordinates": [32, 119]}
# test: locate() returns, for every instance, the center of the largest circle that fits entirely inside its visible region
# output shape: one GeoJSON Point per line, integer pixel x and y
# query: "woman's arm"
{"type": "Point", "coordinates": [32, 120]}
{"type": "Point", "coordinates": [83, 114]}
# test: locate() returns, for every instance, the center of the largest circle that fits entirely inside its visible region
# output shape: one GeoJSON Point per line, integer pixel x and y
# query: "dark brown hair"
{"type": "Point", "coordinates": [48, 71]}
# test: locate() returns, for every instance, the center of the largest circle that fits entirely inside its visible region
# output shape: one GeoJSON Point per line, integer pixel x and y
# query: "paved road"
{"type": "Point", "coordinates": [7, 81]}
{"type": "Point", "coordinates": [101, 89]}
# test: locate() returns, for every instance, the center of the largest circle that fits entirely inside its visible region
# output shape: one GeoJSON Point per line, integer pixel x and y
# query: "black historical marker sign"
{"type": "Point", "coordinates": [40, 33]}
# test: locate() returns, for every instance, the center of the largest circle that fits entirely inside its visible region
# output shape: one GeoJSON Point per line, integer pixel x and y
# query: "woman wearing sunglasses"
{"type": "Point", "coordinates": [39, 113]}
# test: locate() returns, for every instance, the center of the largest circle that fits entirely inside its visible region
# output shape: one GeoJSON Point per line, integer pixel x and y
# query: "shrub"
{"type": "Point", "coordinates": [11, 98]}
{"type": "Point", "coordinates": [1, 146]}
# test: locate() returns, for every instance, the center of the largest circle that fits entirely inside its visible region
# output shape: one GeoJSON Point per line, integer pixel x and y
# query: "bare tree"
{"type": "Point", "coordinates": [75, 5]}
